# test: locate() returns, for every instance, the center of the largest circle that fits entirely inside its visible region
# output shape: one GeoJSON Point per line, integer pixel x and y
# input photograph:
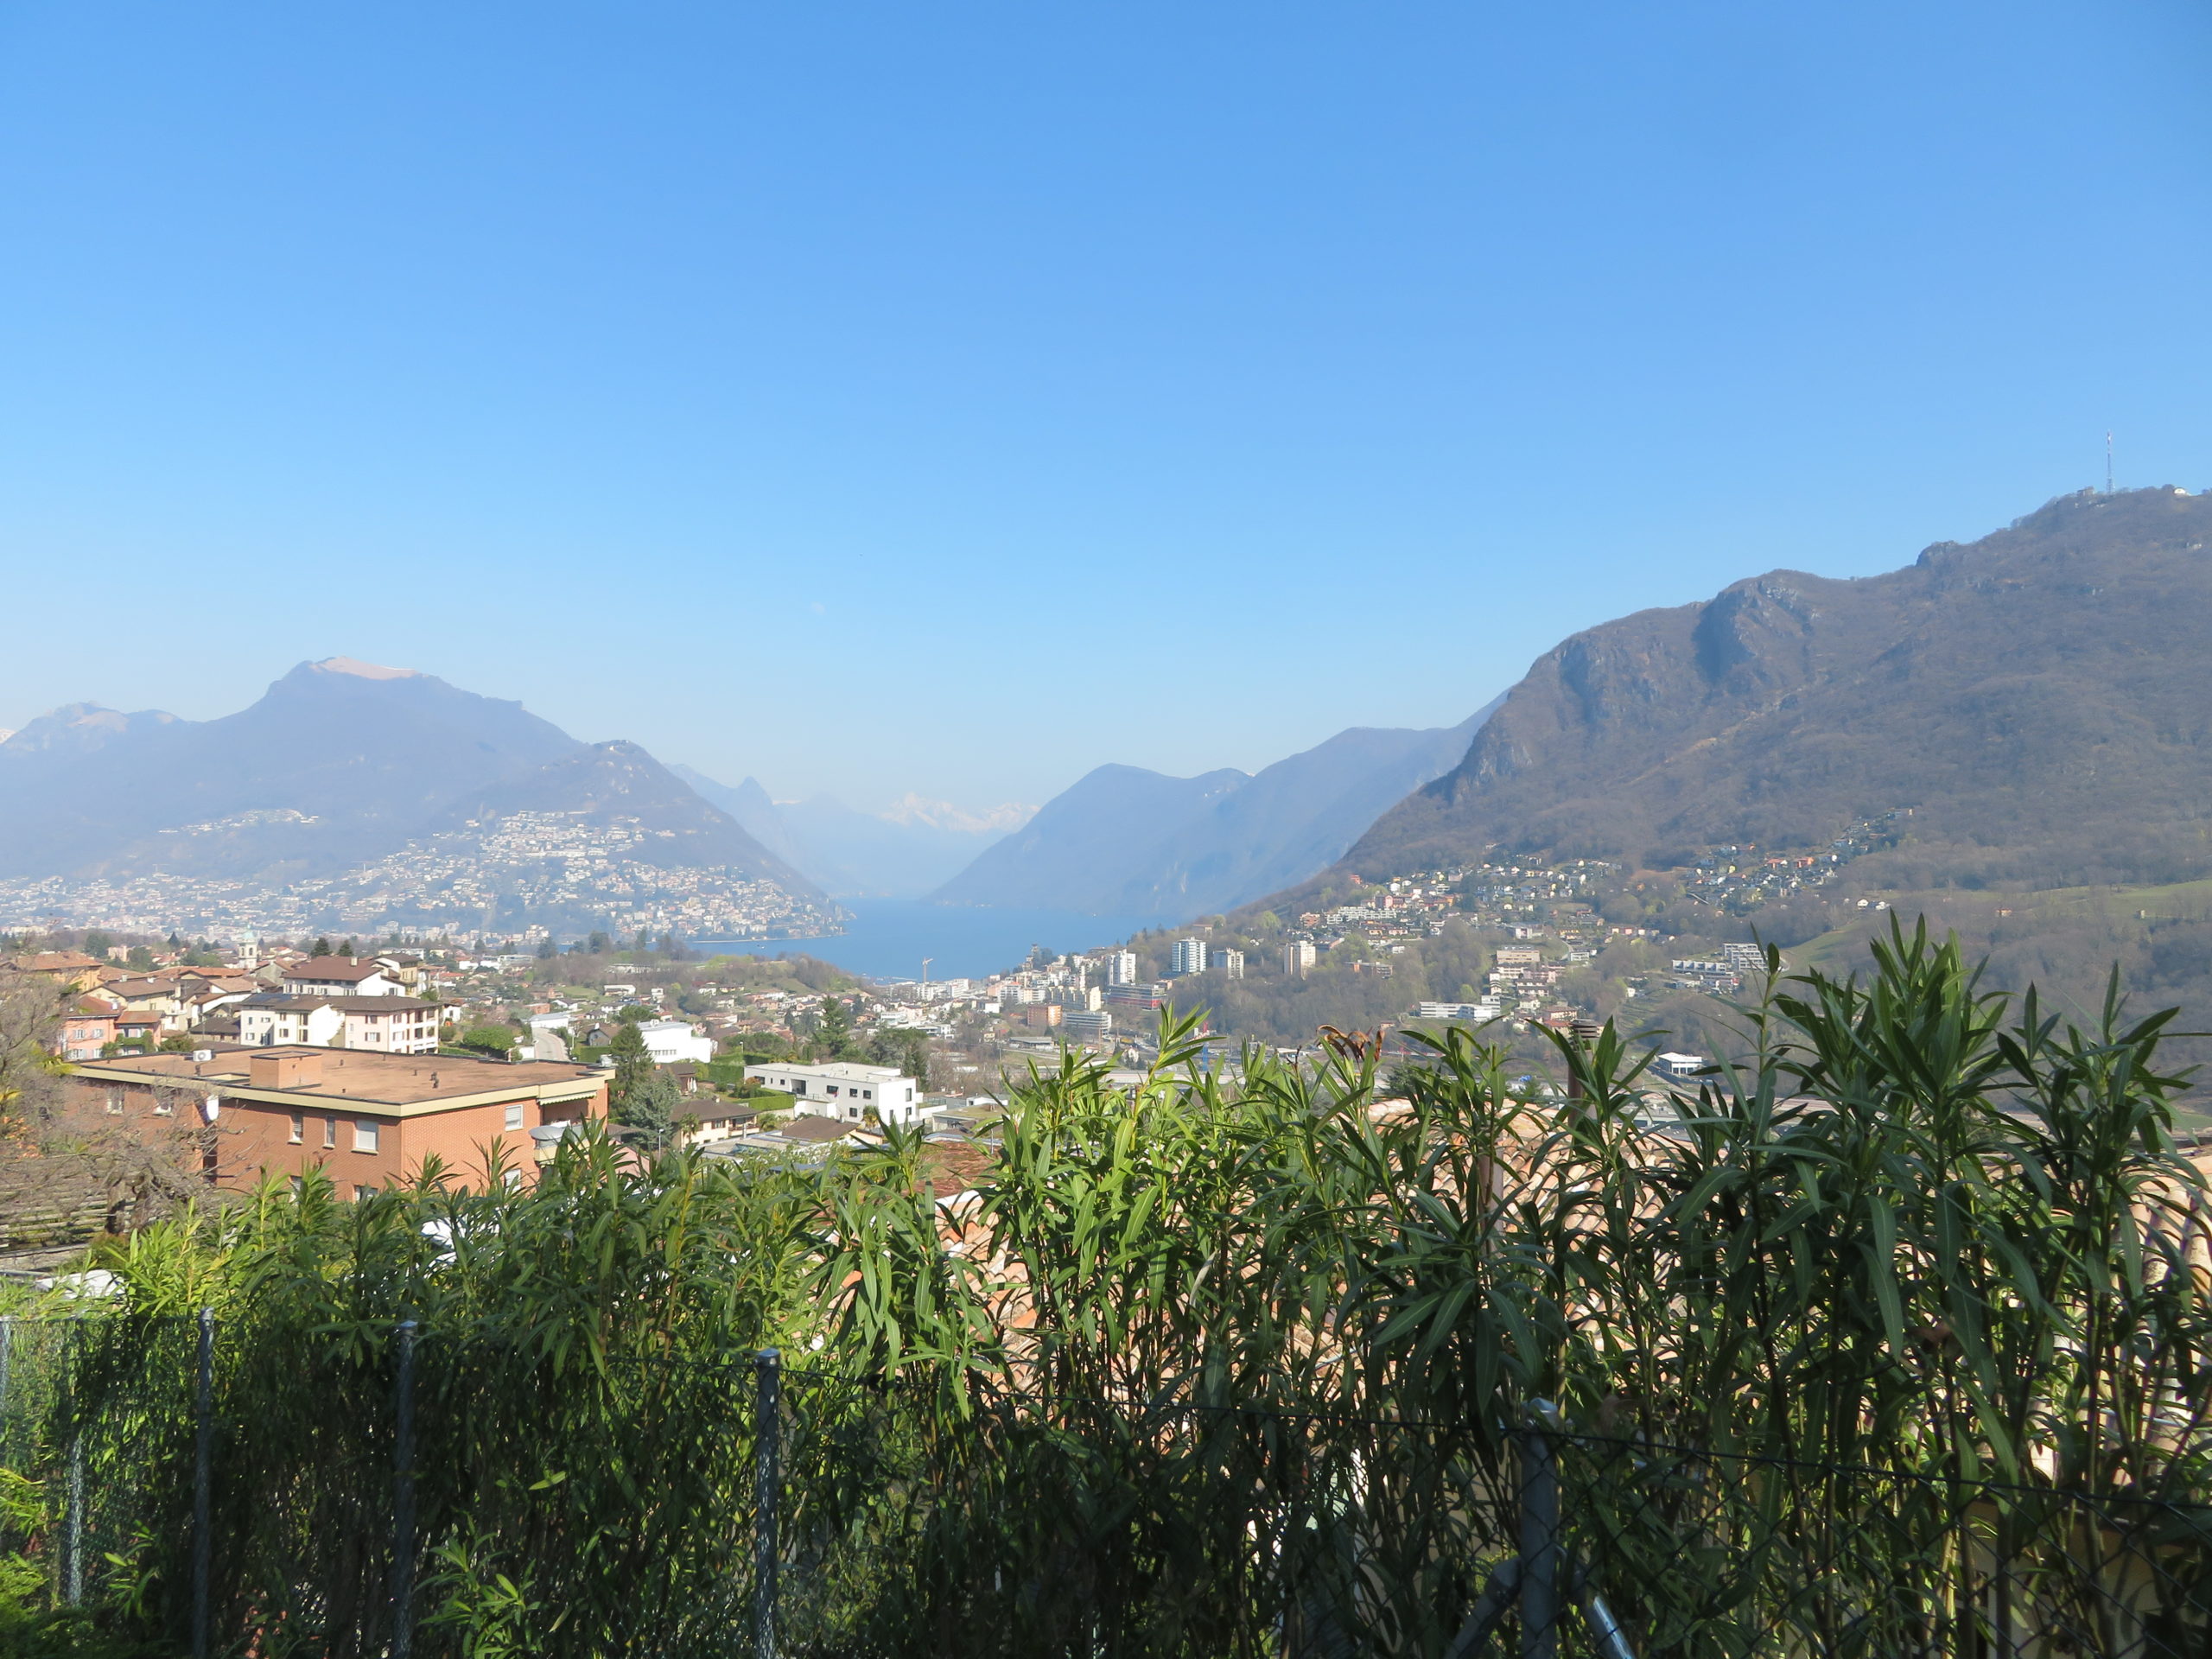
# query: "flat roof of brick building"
{"type": "Point", "coordinates": [404, 1083]}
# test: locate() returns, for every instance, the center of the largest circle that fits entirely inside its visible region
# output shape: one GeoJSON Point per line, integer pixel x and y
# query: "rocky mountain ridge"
{"type": "Point", "coordinates": [2041, 697]}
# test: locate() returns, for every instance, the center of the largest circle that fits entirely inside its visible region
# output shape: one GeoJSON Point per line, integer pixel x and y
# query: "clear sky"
{"type": "Point", "coordinates": [954, 396]}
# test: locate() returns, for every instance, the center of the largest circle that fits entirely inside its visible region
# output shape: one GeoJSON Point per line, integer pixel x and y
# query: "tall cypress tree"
{"type": "Point", "coordinates": [632, 1064]}
{"type": "Point", "coordinates": [834, 1038]}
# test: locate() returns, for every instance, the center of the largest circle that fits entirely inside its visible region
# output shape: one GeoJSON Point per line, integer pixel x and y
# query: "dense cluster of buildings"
{"type": "Point", "coordinates": [288, 1062]}
{"type": "Point", "coordinates": [346, 1060]}
{"type": "Point", "coordinates": [1737, 880]}
{"type": "Point", "coordinates": [534, 864]}
{"type": "Point", "coordinates": [330, 1001]}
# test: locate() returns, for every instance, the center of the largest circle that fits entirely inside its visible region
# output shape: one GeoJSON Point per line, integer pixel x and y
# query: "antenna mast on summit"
{"type": "Point", "coordinates": [2108, 463]}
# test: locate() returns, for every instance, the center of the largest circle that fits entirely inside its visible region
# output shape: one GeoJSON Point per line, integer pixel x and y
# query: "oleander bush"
{"type": "Point", "coordinates": [1228, 1364]}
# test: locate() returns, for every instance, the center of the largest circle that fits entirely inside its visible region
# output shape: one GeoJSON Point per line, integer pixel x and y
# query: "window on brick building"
{"type": "Point", "coordinates": [364, 1135]}
{"type": "Point", "coordinates": [329, 1134]}
{"type": "Point", "coordinates": [299, 1127]}
{"type": "Point", "coordinates": [514, 1114]}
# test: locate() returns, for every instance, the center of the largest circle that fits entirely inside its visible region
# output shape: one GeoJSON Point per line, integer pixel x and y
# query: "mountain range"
{"type": "Point", "coordinates": [338, 760]}
{"type": "Point", "coordinates": [903, 852]}
{"type": "Point", "coordinates": [2041, 698]}
{"type": "Point", "coordinates": [348, 781]}
{"type": "Point", "coordinates": [356, 795]}
{"type": "Point", "coordinates": [1126, 842]}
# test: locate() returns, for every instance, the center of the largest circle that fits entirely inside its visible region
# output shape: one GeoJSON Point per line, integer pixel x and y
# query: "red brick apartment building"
{"type": "Point", "coordinates": [370, 1120]}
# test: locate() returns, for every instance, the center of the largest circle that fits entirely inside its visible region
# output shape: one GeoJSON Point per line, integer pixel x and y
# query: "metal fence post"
{"type": "Point", "coordinates": [203, 1476]}
{"type": "Point", "coordinates": [402, 1495]}
{"type": "Point", "coordinates": [768, 1484]}
{"type": "Point", "coordinates": [73, 1527]}
{"type": "Point", "coordinates": [1540, 1546]}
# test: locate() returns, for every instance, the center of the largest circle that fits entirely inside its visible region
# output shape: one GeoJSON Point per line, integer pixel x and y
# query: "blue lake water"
{"type": "Point", "coordinates": [888, 938]}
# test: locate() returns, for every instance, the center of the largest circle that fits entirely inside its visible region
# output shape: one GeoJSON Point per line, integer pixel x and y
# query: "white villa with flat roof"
{"type": "Point", "coordinates": [845, 1090]}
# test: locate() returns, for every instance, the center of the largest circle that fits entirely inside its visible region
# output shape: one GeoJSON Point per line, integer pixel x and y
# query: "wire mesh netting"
{"type": "Point", "coordinates": [367, 1495]}
{"type": "Point", "coordinates": [419, 1492]}
{"type": "Point", "coordinates": [1704, 1553]}
{"type": "Point", "coordinates": [95, 1443]}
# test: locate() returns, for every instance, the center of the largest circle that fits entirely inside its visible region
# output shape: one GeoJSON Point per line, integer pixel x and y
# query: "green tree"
{"type": "Point", "coordinates": [322, 948]}
{"type": "Point", "coordinates": [597, 943]}
{"type": "Point", "coordinates": [649, 1108]}
{"type": "Point", "coordinates": [490, 1040]}
{"type": "Point", "coordinates": [907, 1050]}
{"type": "Point", "coordinates": [545, 949]}
{"type": "Point", "coordinates": [98, 943]}
{"type": "Point", "coordinates": [347, 950]}
{"type": "Point", "coordinates": [140, 958]}
{"type": "Point", "coordinates": [632, 1064]}
{"type": "Point", "coordinates": [833, 1037]}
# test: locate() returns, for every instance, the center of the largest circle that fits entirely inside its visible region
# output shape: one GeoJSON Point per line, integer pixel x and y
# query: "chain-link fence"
{"type": "Point", "coordinates": [403, 1492]}
{"type": "Point", "coordinates": [1697, 1553]}
{"type": "Point", "coordinates": [89, 1450]}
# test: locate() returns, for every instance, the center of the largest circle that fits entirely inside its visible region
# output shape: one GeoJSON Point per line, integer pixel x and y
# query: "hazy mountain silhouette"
{"type": "Point", "coordinates": [751, 806]}
{"type": "Point", "coordinates": [1123, 841]}
{"type": "Point", "coordinates": [853, 855]}
{"type": "Point", "coordinates": [340, 761]}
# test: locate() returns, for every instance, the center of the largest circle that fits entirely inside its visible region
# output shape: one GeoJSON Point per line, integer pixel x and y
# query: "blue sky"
{"type": "Point", "coordinates": [951, 398]}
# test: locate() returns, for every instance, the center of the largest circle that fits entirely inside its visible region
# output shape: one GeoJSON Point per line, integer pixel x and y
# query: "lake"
{"type": "Point", "coordinates": [888, 938]}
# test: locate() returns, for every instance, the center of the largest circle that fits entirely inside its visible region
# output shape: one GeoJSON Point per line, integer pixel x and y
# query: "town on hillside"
{"type": "Point", "coordinates": [230, 1061]}
{"type": "Point", "coordinates": [542, 864]}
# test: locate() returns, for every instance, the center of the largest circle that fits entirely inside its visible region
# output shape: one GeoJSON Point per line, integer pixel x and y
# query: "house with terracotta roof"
{"type": "Point", "coordinates": [342, 976]}
{"type": "Point", "coordinates": [205, 999]}
{"type": "Point", "coordinates": [87, 1026]}
{"type": "Point", "coordinates": [147, 994]}
{"type": "Point", "coordinates": [407, 971]}
{"type": "Point", "coordinates": [70, 967]}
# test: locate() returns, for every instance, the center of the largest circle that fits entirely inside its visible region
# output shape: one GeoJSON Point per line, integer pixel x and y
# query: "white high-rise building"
{"type": "Point", "coordinates": [1232, 964]}
{"type": "Point", "coordinates": [1121, 967]}
{"type": "Point", "coordinates": [1297, 957]}
{"type": "Point", "coordinates": [1189, 956]}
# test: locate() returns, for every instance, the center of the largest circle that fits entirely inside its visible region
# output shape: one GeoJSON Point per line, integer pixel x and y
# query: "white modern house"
{"type": "Point", "coordinates": [1487, 1010]}
{"type": "Point", "coordinates": [670, 1040]}
{"type": "Point", "coordinates": [845, 1090]}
